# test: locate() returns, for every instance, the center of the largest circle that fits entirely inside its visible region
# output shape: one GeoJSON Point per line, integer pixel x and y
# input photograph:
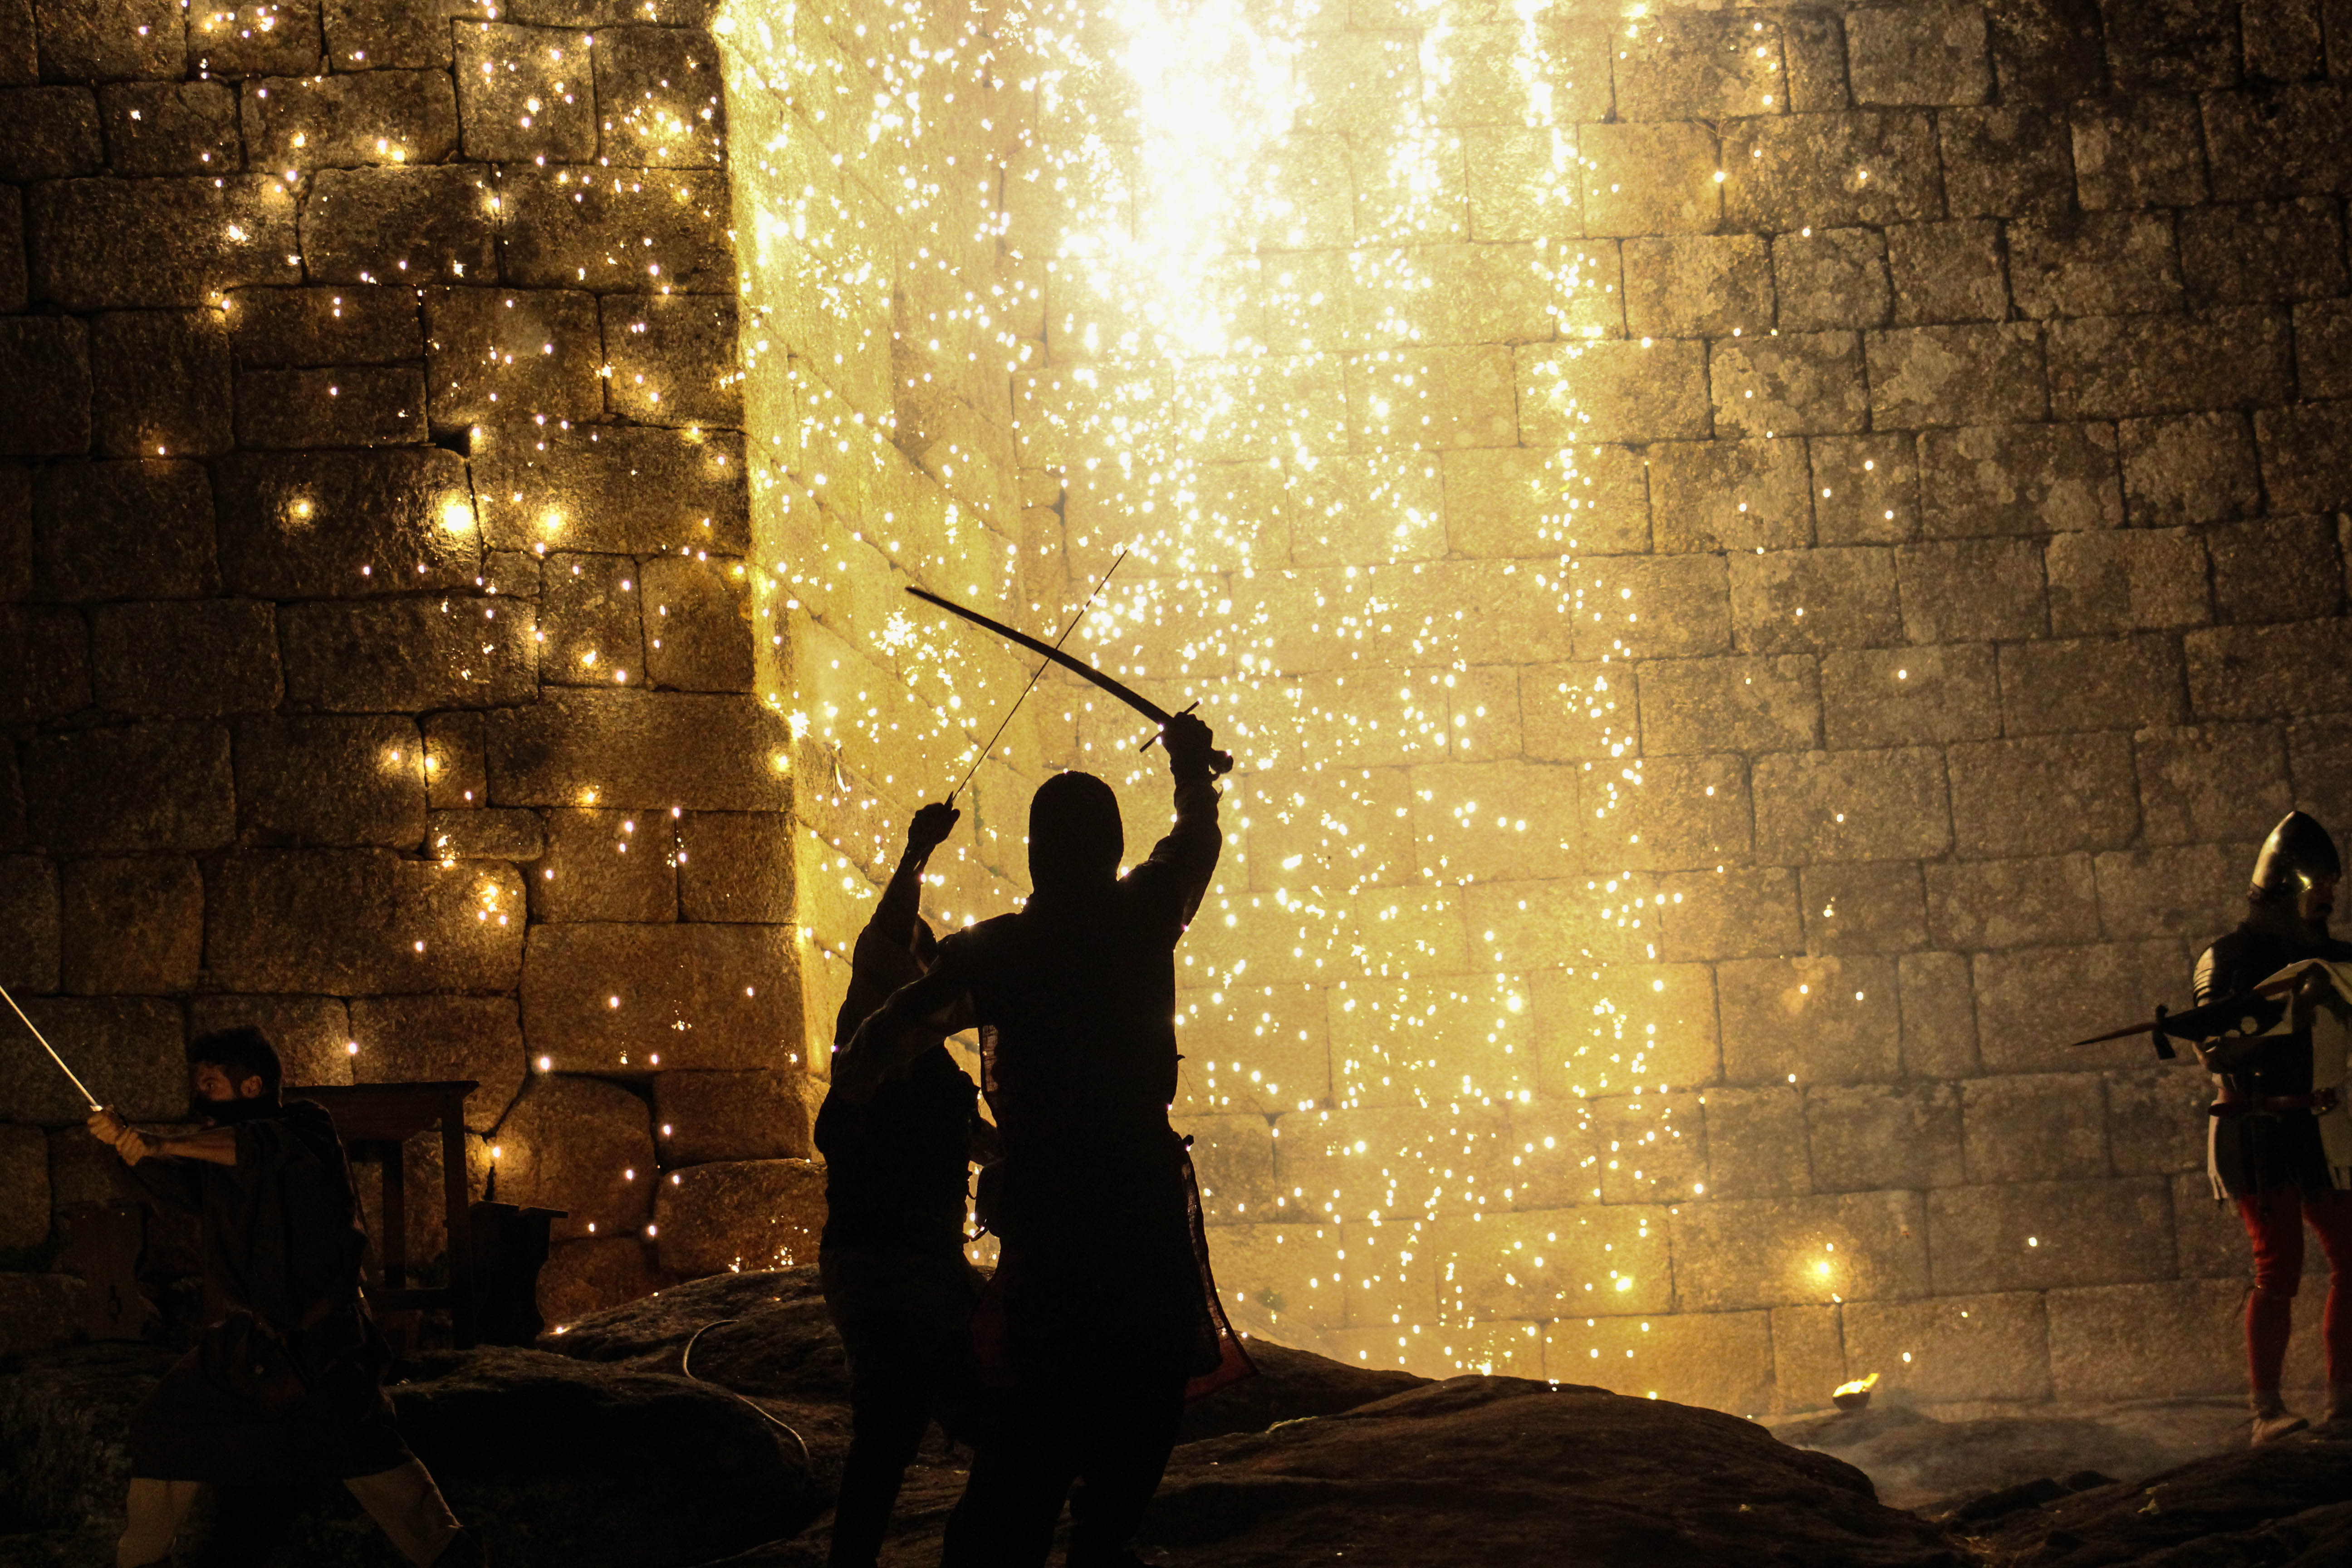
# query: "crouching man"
{"type": "Point", "coordinates": [286, 1385]}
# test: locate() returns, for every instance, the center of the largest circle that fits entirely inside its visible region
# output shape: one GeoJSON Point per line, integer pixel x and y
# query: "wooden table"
{"type": "Point", "coordinates": [376, 1120]}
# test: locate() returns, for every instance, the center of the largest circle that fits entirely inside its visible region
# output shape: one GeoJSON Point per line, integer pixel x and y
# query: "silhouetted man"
{"type": "Point", "coordinates": [2264, 1149]}
{"type": "Point", "coordinates": [896, 1179]}
{"type": "Point", "coordinates": [1097, 1316]}
{"type": "Point", "coordinates": [286, 1384]}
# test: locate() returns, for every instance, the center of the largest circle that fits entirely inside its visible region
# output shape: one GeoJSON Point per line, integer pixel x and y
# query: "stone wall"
{"type": "Point", "coordinates": [1766, 568]}
{"type": "Point", "coordinates": [377, 665]}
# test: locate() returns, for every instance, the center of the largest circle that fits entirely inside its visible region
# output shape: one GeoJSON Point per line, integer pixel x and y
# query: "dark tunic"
{"type": "Point", "coordinates": [2247, 1155]}
{"type": "Point", "coordinates": [1077, 1006]}
{"type": "Point", "coordinates": [285, 1384]}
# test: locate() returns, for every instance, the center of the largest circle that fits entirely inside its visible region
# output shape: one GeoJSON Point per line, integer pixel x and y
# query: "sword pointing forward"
{"type": "Point", "coordinates": [2200, 1022]}
{"type": "Point", "coordinates": [51, 1049]}
{"type": "Point", "coordinates": [1219, 761]}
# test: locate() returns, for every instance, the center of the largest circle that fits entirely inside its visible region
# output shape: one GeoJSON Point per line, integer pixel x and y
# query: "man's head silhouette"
{"type": "Point", "coordinates": [1075, 837]}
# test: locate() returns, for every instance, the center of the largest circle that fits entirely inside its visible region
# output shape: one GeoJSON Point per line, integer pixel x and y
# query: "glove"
{"type": "Point", "coordinates": [931, 827]}
{"type": "Point", "coordinates": [1190, 743]}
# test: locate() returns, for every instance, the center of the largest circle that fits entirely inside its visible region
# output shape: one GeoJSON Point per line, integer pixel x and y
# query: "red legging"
{"type": "Point", "coordinates": [2274, 1219]}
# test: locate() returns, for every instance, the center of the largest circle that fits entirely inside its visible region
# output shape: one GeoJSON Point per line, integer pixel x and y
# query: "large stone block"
{"type": "Point", "coordinates": [312, 1033]}
{"type": "Point", "coordinates": [1977, 904]}
{"type": "Point", "coordinates": [1921, 377]}
{"type": "Point", "coordinates": [736, 866]}
{"type": "Point", "coordinates": [2037, 479]}
{"type": "Point", "coordinates": [1411, 398]}
{"type": "Point", "coordinates": [612, 488]}
{"type": "Point", "coordinates": [248, 38]}
{"type": "Point", "coordinates": [2137, 152]}
{"type": "Point", "coordinates": [124, 530]}
{"type": "Point", "coordinates": [1793, 600]}
{"type": "Point", "coordinates": [1808, 1020]}
{"type": "Point", "coordinates": [2262, 252]}
{"type": "Point", "coordinates": [739, 1214]}
{"type": "Point", "coordinates": [357, 325]}
{"type": "Point", "coordinates": [1872, 1137]}
{"type": "Point", "coordinates": [508, 354]}
{"type": "Point", "coordinates": [1831, 277]}
{"type": "Point", "coordinates": [2032, 1000]}
{"type": "Point", "coordinates": [44, 664]}
{"type": "Point", "coordinates": [354, 405]}
{"type": "Point", "coordinates": [100, 244]}
{"type": "Point", "coordinates": [2006, 161]}
{"type": "Point", "coordinates": [412, 226]}
{"type": "Point", "coordinates": [1747, 913]}
{"type": "Point", "coordinates": [1664, 607]}
{"type": "Point", "coordinates": [1696, 67]}
{"type": "Point", "coordinates": [1513, 502]}
{"type": "Point", "coordinates": [1947, 272]}
{"type": "Point", "coordinates": [2042, 795]}
{"type": "Point", "coordinates": [2212, 783]}
{"type": "Point", "coordinates": [131, 787]}
{"type": "Point", "coordinates": [2042, 1236]}
{"type": "Point", "coordinates": [2281, 144]}
{"type": "Point", "coordinates": [1613, 390]}
{"type": "Point", "coordinates": [1957, 1348]}
{"type": "Point", "coordinates": [659, 98]}
{"type": "Point", "coordinates": [13, 285]}
{"type": "Point", "coordinates": [634, 998]}
{"type": "Point", "coordinates": [176, 660]}
{"type": "Point", "coordinates": [1602, 1030]}
{"type": "Point", "coordinates": [1930, 54]}
{"type": "Point", "coordinates": [1769, 1252]}
{"type": "Point", "coordinates": [25, 1181]}
{"type": "Point", "coordinates": [2108, 367]}
{"type": "Point", "coordinates": [132, 926]}
{"type": "Point", "coordinates": [45, 388]}
{"type": "Point", "coordinates": [2306, 454]}
{"type": "Point", "coordinates": [639, 750]}
{"type": "Point", "coordinates": [1971, 590]}
{"type": "Point", "coordinates": [171, 127]}
{"type": "Point", "coordinates": [1799, 384]}
{"type": "Point", "coordinates": [160, 383]}
{"type": "Point", "coordinates": [587, 228]}
{"type": "Point", "coordinates": [1808, 1356]}
{"type": "Point", "coordinates": [1864, 908]}
{"type": "Point", "coordinates": [2209, 1235]}
{"type": "Point", "coordinates": [1905, 696]}
{"type": "Point", "coordinates": [486, 835]}
{"type": "Point", "coordinates": [111, 41]}
{"type": "Point", "coordinates": [333, 523]}
{"type": "Point", "coordinates": [2156, 1118]}
{"type": "Point", "coordinates": [350, 119]}
{"type": "Point", "coordinates": [2172, 1340]}
{"type": "Point", "coordinates": [581, 1145]}
{"type": "Point", "coordinates": [702, 1117]}
{"type": "Point", "coordinates": [1692, 813]}
{"type": "Point", "coordinates": [1939, 1026]}
{"type": "Point", "coordinates": [2095, 683]}
{"type": "Point", "coordinates": [424, 1039]}
{"type": "Point", "coordinates": [1716, 1360]}
{"type": "Point", "coordinates": [2173, 890]}
{"type": "Point", "coordinates": [49, 133]}
{"type": "Point", "coordinates": [2323, 348]}
{"type": "Point", "coordinates": [1745, 704]}
{"type": "Point", "coordinates": [2129, 580]}
{"type": "Point", "coordinates": [2035, 1127]}
{"type": "Point", "coordinates": [340, 781]}
{"type": "Point", "coordinates": [1784, 172]}
{"type": "Point", "coordinates": [673, 360]}
{"type": "Point", "coordinates": [1521, 1266]}
{"type": "Point", "coordinates": [698, 624]}
{"type": "Point", "coordinates": [1697, 284]}
{"type": "Point", "coordinates": [1852, 806]}
{"type": "Point", "coordinates": [1649, 178]}
{"type": "Point", "coordinates": [128, 1050]}
{"type": "Point", "coordinates": [1754, 1144]}
{"type": "Point", "coordinates": [590, 621]}
{"type": "Point", "coordinates": [2266, 672]}
{"type": "Point", "coordinates": [594, 1274]}
{"type": "Point", "coordinates": [2276, 569]}
{"type": "Point", "coordinates": [40, 1312]}
{"type": "Point", "coordinates": [2098, 264]}
{"type": "Point", "coordinates": [455, 778]}
{"type": "Point", "coordinates": [528, 93]}
{"type": "Point", "coordinates": [406, 654]}
{"type": "Point", "coordinates": [29, 904]}
{"type": "Point", "coordinates": [607, 865]}
{"type": "Point", "coordinates": [356, 922]}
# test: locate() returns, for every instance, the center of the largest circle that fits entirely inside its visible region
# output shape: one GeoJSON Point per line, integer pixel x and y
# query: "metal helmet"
{"type": "Point", "coordinates": [2297, 853]}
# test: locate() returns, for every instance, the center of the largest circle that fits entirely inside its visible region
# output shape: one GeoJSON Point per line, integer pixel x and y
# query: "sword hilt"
{"type": "Point", "coordinates": [1220, 762]}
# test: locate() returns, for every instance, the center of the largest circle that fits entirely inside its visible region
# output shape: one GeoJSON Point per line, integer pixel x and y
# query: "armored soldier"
{"type": "Point", "coordinates": [2265, 1151]}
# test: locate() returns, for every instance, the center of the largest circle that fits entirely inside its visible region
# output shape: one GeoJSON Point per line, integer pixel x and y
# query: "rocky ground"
{"type": "Point", "coordinates": [706, 1426]}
